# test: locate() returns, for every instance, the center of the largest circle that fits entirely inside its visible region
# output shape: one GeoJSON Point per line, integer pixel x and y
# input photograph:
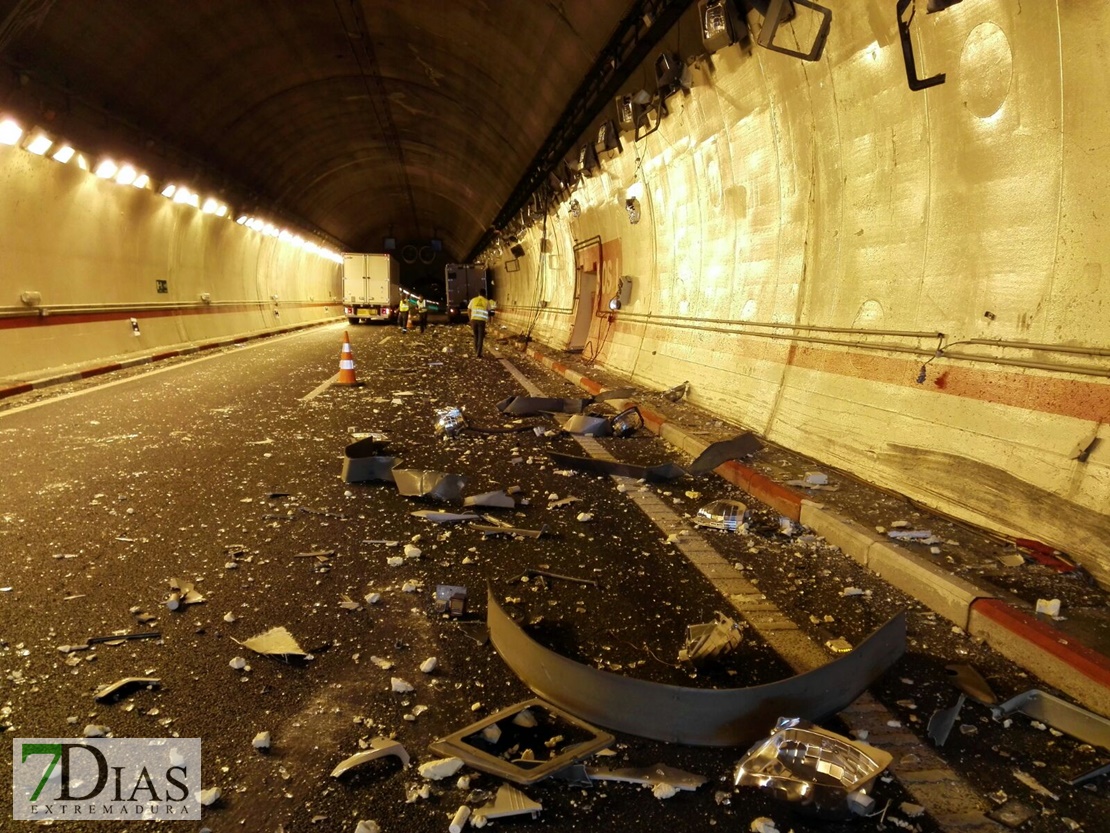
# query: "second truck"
{"type": "Point", "coordinates": [462, 280]}
{"type": "Point", "coordinates": [371, 287]}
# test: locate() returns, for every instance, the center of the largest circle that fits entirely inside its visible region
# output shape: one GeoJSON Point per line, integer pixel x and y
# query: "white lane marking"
{"type": "Point", "coordinates": [308, 397]}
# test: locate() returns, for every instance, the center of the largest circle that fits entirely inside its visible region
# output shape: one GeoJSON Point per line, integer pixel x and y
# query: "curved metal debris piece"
{"type": "Point", "coordinates": [717, 454]}
{"type": "Point", "coordinates": [663, 471]}
{"type": "Point", "coordinates": [588, 426]}
{"type": "Point", "coordinates": [379, 748]}
{"type": "Point", "coordinates": [658, 774]}
{"type": "Point", "coordinates": [276, 642]}
{"type": "Point", "coordinates": [808, 765]}
{"type": "Point", "coordinates": [444, 517]}
{"type": "Point", "coordinates": [121, 688]}
{"type": "Point", "coordinates": [365, 460]}
{"type": "Point", "coordinates": [434, 484]}
{"type": "Point", "coordinates": [491, 500]}
{"type": "Point", "coordinates": [726, 515]}
{"type": "Point", "coordinates": [942, 721]}
{"type": "Point", "coordinates": [530, 405]}
{"type": "Point", "coordinates": [971, 683]}
{"type": "Point", "coordinates": [697, 717]}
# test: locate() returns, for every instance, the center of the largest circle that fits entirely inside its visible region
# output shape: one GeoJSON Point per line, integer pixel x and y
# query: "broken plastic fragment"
{"type": "Point", "coordinates": [450, 599]}
{"type": "Point", "coordinates": [440, 768]}
{"type": "Point", "coordinates": [121, 688]}
{"type": "Point", "coordinates": [412, 552]}
{"type": "Point", "coordinates": [432, 484]}
{"type": "Point", "coordinates": [710, 640]}
{"type": "Point", "coordinates": [368, 826]}
{"type": "Point", "coordinates": [210, 796]}
{"type": "Point", "coordinates": [942, 721]}
{"type": "Point", "coordinates": [379, 748]}
{"type": "Point", "coordinates": [429, 665]}
{"type": "Point", "coordinates": [491, 500]}
{"type": "Point", "coordinates": [93, 730]}
{"type": "Point", "coordinates": [585, 517]}
{"type": "Point", "coordinates": [347, 603]}
{"type": "Point", "coordinates": [276, 642]}
{"type": "Point", "coordinates": [1049, 607]}
{"type": "Point", "coordinates": [444, 517]}
{"type": "Point", "coordinates": [261, 741]}
{"type": "Point", "coordinates": [449, 421]}
{"type": "Point", "coordinates": [238, 663]}
{"type": "Point", "coordinates": [400, 686]}
{"type": "Point", "coordinates": [678, 779]}
{"type": "Point", "coordinates": [728, 515]}
{"type": "Point", "coordinates": [509, 801]}
{"type": "Point", "coordinates": [720, 453]}
{"type": "Point", "coordinates": [458, 821]}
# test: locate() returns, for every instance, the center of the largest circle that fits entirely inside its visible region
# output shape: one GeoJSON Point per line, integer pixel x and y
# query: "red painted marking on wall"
{"type": "Point", "coordinates": [1090, 663]}
{"type": "Point", "coordinates": [99, 371]}
{"type": "Point", "coordinates": [15, 390]}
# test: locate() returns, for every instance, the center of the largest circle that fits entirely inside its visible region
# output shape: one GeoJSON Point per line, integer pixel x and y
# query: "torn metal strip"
{"type": "Point", "coordinates": [697, 717]}
{"type": "Point", "coordinates": [433, 484]}
{"type": "Point", "coordinates": [510, 530]}
{"type": "Point", "coordinates": [364, 460]}
{"type": "Point", "coordinates": [588, 426]}
{"type": "Point", "coordinates": [663, 471]}
{"type": "Point", "coordinates": [533, 405]}
{"type": "Point", "coordinates": [971, 683]}
{"type": "Point", "coordinates": [1059, 714]}
{"type": "Point", "coordinates": [651, 775]}
{"type": "Point", "coordinates": [720, 453]}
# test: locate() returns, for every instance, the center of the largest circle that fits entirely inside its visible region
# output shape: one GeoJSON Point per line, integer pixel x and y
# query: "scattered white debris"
{"type": "Point", "coordinates": [230, 617]}
{"type": "Point", "coordinates": [910, 809]}
{"type": "Point", "coordinates": [816, 478]}
{"type": "Point", "coordinates": [373, 598]}
{"type": "Point", "coordinates": [368, 826]}
{"type": "Point", "coordinates": [463, 783]}
{"type": "Point", "coordinates": [458, 822]}
{"type": "Point", "coordinates": [210, 796]}
{"type": "Point", "coordinates": [383, 664]}
{"type": "Point", "coordinates": [95, 731]}
{"type": "Point", "coordinates": [238, 663]}
{"type": "Point", "coordinates": [440, 768]}
{"type": "Point", "coordinates": [663, 791]}
{"type": "Point", "coordinates": [900, 525]}
{"type": "Point", "coordinates": [412, 552]}
{"type": "Point", "coordinates": [763, 825]}
{"type": "Point", "coordinates": [429, 665]}
{"type": "Point", "coordinates": [525, 719]}
{"type": "Point", "coordinates": [492, 733]}
{"type": "Point", "coordinates": [585, 517]}
{"type": "Point", "coordinates": [261, 741]}
{"type": "Point", "coordinates": [399, 685]}
{"type": "Point", "coordinates": [408, 587]}
{"type": "Point", "coordinates": [395, 561]}
{"type": "Point", "coordinates": [1049, 607]}
{"type": "Point", "coordinates": [853, 591]}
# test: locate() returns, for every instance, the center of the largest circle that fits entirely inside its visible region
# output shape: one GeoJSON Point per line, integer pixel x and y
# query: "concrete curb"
{"type": "Point", "coordinates": [1048, 653]}
{"type": "Point", "coordinates": [186, 350]}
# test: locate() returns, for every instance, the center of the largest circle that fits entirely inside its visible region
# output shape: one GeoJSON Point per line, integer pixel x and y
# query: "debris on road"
{"type": "Point", "coordinates": [449, 421]}
{"type": "Point", "coordinates": [450, 599]}
{"type": "Point", "coordinates": [431, 484]}
{"type": "Point", "coordinates": [121, 688]}
{"type": "Point", "coordinates": [710, 640]}
{"type": "Point", "coordinates": [942, 721]}
{"type": "Point", "coordinates": [1048, 607]}
{"type": "Point", "coordinates": [510, 530]}
{"type": "Point", "coordinates": [261, 742]}
{"type": "Point", "coordinates": [717, 454]}
{"type": "Point", "coordinates": [509, 801]}
{"type": "Point", "coordinates": [558, 576]}
{"type": "Point", "coordinates": [810, 766]}
{"type": "Point", "coordinates": [727, 515]}
{"type": "Point", "coordinates": [444, 517]}
{"type": "Point", "coordinates": [535, 405]}
{"type": "Point", "coordinates": [276, 642]}
{"type": "Point", "coordinates": [491, 500]}
{"type": "Point", "coordinates": [183, 593]}
{"type": "Point", "coordinates": [379, 748]}
{"type": "Point", "coordinates": [971, 683]}
{"type": "Point", "coordinates": [592, 465]}
{"type": "Point", "coordinates": [210, 796]}
{"type": "Point", "coordinates": [113, 639]}
{"type": "Point", "coordinates": [440, 768]}
{"type": "Point", "coordinates": [649, 775]}
{"type": "Point", "coordinates": [1068, 718]}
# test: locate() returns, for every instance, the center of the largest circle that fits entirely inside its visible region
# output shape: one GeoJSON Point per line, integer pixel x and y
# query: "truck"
{"type": "Point", "coordinates": [463, 280]}
{"type": "Point", "coordinates": [371, 287]}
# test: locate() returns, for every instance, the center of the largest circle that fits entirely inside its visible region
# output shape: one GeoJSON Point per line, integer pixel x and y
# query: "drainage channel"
{"type": "Point", "coordinates": [950, 800]}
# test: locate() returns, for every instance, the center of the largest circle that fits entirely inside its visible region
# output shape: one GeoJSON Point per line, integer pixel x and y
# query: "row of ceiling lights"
{"type": "Point", "coordinates": [40, 144]}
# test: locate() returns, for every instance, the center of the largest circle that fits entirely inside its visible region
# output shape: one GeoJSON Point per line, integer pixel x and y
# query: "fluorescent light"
{"type": "Point", "coordinates": [142, 181]}
{"type": "Point", "coordinates": [126, 175]}
{"type": "Point", "coordinates": [10, 132]}
{"type": "Point", "coordinates": [64, 154]}
{"type": "Point", "coordinates": [243, 220]}
{"type": "Point", "coordinates": [210, 206]}
{"type": "Point", "coordinates": [169, 190]}
{"type": "Point", "coordinates": [221, 211]}
{"type": "Point", "coordinates": [82, 162]}
{"type": "Point", "coordinates": [181, 195]}
{"type": "Point", "coordinates": [193, 200]}
{"type": "Point", "coordinates": [40, 144]}
{"type": "Point", "coordinates": [106, 169]}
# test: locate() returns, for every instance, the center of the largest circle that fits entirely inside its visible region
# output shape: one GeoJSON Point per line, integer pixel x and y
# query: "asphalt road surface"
{"type": "Point", "coordinates": [225, 471]}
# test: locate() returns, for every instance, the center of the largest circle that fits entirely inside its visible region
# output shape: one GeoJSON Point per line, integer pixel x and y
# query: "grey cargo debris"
{"type": "Point", "coordinates": [663, 471]}
{"type": "Point", "coordinates": [379, 748]}
{"type": "Point", "coordinates": [710, 640]}
{"type": "Point", "coordinates": [365, 460]}
{"type": "Point", "coordinates": [487, 757]}
{"type": "Point", "coordinates": [696, 717]}
{"type": "Point", "coordinates": [810, 766]}
{"type": "Point", "coordinates": [942, 721]}
{"type": "Point", "coordinates": [121, 688]}
{"type": "Point", "coordinates": [720, 453]}
{"type": "Point", "coordinates": [433, 484]}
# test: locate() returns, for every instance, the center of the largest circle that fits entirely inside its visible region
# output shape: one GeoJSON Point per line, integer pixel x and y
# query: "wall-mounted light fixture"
{"type": "Point", "coordinates": [623, 294]}
{"type": "Point", "coordinates": [30, 298]}
{"type": "Point", "coordinates": [632, 206]}
{"type": "Point", "coordinates": [781, 11]}
{"type": "Point", "coordinates": [721, 24]}
{"type": "Point", "coordinates": [205, 298]}
{"type": "Point", "coordinates": [588, 164]}
{"type": "Point", "coordinates": [575, 209]}
{"type": "Point", "coordinates": [608, 139]}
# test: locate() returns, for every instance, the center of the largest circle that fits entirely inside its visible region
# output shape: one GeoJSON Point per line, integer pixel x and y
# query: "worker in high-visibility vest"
{"type": "Point", "coordinates": [421, 312]}
{"type": "Point", "coordinates": [478, 310]}
{"type": "Point", "coordinates": [403, 315]}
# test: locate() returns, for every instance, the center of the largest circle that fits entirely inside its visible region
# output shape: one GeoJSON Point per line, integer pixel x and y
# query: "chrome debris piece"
{"type": "Point", "coordinates": [696, 717]}
{"type": "Point", "coordinates": [276, 642]}
{"type": "Point", "coordinates": [1059, 714]}
{"type": "Point", "coordinates": [627, 422]}
{"type": "Point", "coordinates": [121, 688]}
{"type": "Point", "coordinates": [551, 723]}
{"type": "Point", "coordinates": [663, 471]}
{"type": "Point", "coordinates": [710, 640]}
{"type": "Point", "coordinates": [379, 748]}
{"type": "Point", "coordinates": [365, 460]}
{"type": "Point", "coordinates": [588, 426]}
{"type": "Point", "coordinates": [971, 683]}
{"type": "Point", "coordinates": [491, 500]}
{"type": "Point", "coordinates": [726, 515]}
{"type": "Point", "coordinates": [811, 766]}
{"type": "Point", "coordinates": [450, 599]}
{"type": "Point", "coordinates": [433, 484]}
{"type": "Point", "coordinates": [658, 774]}
{"type": "Point", "coordinates": [449, 421]}
{"type": "Point", "coordinates": [942, 721]}
{"type": "Point", "coordinates": [509, 801]}
{"type": "Point", "coordinates": [718, 454]}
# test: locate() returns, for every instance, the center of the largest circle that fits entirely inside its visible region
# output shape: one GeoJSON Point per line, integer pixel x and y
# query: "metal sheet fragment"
{"type": "Point", "coordinates": [663, 471]}
{"type": "Point", "coordinates": [658, 774]}
{"type": "Point", "coordinates": [489, 759]}
{"type": "Point", "coordinates": [588, 426]}
{"type": "Point", "coordinates": [697, 717]}
{"type": "Point", "coordinates": [971, 683]}
{"type": "Point", "coordinates": [491, 500]}
{"type": "Point", "coordinates": [510, 530]}
{"type": "Point", "coordinates": [1059, 714]}
{"type": "Point", "coordinates": [718, 454]}
{"type": "Point", "coordinates": [365, 460]}
{"type": "Point", "coordinates": [276, 642]}
{"type": "Point", "coordinates": [942, 721]}
{"type": "Point", "coordinates": [433, 484]}
{"type": "Point", "coordinates": [444, 517]}
{"type": "Point", "coordinates": [121, 688]}
{"type": "Point", "coordinates": [531, 405]}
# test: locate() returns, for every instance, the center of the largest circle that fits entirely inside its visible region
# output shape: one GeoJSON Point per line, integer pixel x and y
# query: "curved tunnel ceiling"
{"type": "Point", "coordinates": [363, 118]}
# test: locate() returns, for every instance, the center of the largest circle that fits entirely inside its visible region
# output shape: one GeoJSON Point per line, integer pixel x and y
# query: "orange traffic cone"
{"type": "Point", "coordinates": [346, 364]}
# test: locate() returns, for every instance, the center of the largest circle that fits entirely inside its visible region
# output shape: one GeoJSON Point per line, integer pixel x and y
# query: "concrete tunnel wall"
{"type": "Point", "coordinates": [807, 229]}
{"type": "Point", "coordinates": [94, 250]}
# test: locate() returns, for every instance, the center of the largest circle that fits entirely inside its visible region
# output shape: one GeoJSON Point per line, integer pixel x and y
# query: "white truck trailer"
{"type": "Point", "coordinates": [371, 287]}
{"type": "Point", "coordinates": [462, 281]}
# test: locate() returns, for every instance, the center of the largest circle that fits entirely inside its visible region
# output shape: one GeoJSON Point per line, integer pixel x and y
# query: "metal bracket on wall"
{"type": "Point", "coordinates": [907, 49]}
{"type": "Point", "coordinates": [779, 12]}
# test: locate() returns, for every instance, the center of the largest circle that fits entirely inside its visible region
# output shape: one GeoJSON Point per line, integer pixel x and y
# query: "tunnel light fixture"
{"type": "Point", "coordinates": [169, 191]}
{"type": "Point", "coordinates": [632, 206]}
{"type": "Point", "coordinates": [721, 24]}
{"type": "Point", "coordinates": [211, 205]}
{"type": "Point", "coordinates": [126, 175]}
{"type": "Point", "coordinates": [40, 143]}
{"type": "Point", "coordinates": [141, 181]}
{"type": "Point", "coordinates": [63, 154]}
{"type": "Point", "coordinates": [242, 219]}
{"type": "Point", "coordinates": [10, 132]}
{"type": "Point", "coordinates": [81, 162]}
{"type": "Point", "coordinates": [106, 169]}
